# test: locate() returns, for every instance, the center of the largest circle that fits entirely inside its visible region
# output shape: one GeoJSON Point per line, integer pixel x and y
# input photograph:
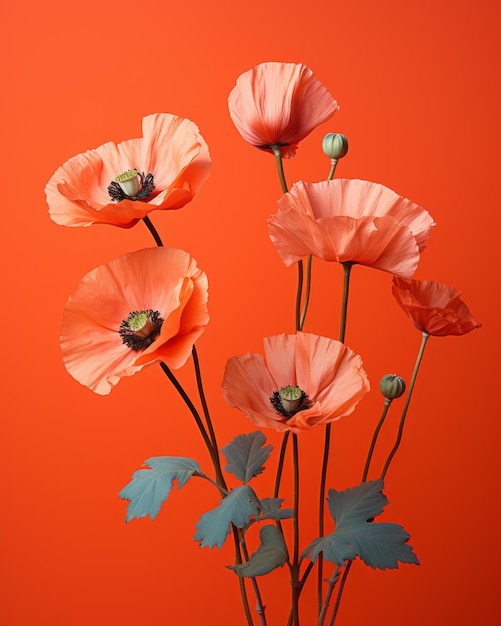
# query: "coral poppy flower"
{"type": "Point", "coordinates": [434, 308]}
{"type": "Point", "coordinates": [143, 307]}
{"type": "Point", "coordinates": [121, 183]}
{"type": "Point", "coordinates": [353, 221]}
{"type": "Point", "coordinates": [279, 104]}
{"type": "Point", "coordinates": [302, 380]}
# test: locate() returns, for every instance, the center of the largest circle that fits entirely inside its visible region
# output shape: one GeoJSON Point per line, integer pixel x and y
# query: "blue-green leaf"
{"type": "Point", "coordinates": [380, 545]}
{"type": "Point", "coordinates": [238, 507]}
{"type": "Point", "coordinates": [149, 488]}
{"type": "Point", "coordinates": [357, 504]}
{"type": "Point", "coordinates": [246, 455]}
{"type": "Point", "coordinates": [270, 509]}
{"type": "Point", "coordinates": [272, 553]}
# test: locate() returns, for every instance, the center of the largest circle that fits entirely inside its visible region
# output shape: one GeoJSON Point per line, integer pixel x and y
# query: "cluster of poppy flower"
{"type": "Point", "coordinates": [274, 106]}
{"type": "Point", "coordinates": [150, 306]}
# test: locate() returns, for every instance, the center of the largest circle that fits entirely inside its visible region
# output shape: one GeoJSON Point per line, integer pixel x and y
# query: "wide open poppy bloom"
{"type": "Point", "coordinates": [353, 221]}
{"type": "Point", "coordinates": [143, 307]}
{"type": "Point", "coordinates": [121, 183]}
{"type": "Point", "coordinates": [279, 104]}
{"type": "Point", "coordinates": [301, 381]}
{"type": "Point", "coordinates": [434, 308]}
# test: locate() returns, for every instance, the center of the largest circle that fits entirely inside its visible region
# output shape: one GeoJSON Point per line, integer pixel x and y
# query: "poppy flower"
{"type": "Point", "coordinates": [141, 308]}
{"type": "Point", "coordinates": [434, 308]}
{"type": "Point", "coordinates": [279, 104]}
{"type": "Point", "coordinates": [121, 183]}
{"type": "Point", "coordinates": [301, 381]}
{"type": "Point", "coordinates": [353, 221]}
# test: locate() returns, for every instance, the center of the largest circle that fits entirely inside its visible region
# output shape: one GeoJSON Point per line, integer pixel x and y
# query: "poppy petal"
{"type": "Point", "coordinates": [279, 104]}
{"type": "Point", "coordinates": [163, 280]}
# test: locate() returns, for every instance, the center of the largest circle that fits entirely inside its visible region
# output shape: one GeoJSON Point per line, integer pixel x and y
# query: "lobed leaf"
{"type": "Point", "coordinates": [237, 508]}
{"type": "Point", "coordinates": [270, 509]}
{"type": "Point", "coordinates": [246, 455]}
{"type": "Point", "coordinates": [272, 553]}
{"type": "Point", "coordinates": [149, 488]}
{"type": "Point", "coordinates": [380, 545]}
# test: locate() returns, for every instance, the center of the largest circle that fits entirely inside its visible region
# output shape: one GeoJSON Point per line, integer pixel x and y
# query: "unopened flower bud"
{"type": "Point", "coordinates": [392, 386]}
{"type": "Point", "coordinates": [334, 145]}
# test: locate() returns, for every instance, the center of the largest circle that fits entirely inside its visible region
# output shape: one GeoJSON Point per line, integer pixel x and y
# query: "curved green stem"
{"type": "Point", "coordinates": [299, 293]}
{"type": "Point", "coordinates": [346, 292]}
{"type": "Point", "coordinates": [323, 479]}
{"type": "Point", "coordinates": [281, 460]}
{"type": "Point", "coordinates": [205, 407]}
{"type": "Point", "coordinates": [194, 412]}
{"type": "Point", "coordinates": [213, 482]}
{"type": "Point", "coordinates": [307, 293]}
{"type": "Point", "coordinates": [393, 451]}
{"type": "Point", "coordinates": [153, 231]}
{"type": "Point", "coordinates": [224, 492]}
{"type": "Point", "coordinates": [387, 403]}
{"type": "Point", "coordinates": [333, 169]}
{"type": "Point", "coordinates": [280, 168]}
{"type": "Point", "coordinates": [260, 608]}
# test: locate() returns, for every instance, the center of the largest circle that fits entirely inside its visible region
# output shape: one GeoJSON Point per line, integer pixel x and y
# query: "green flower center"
{"type": "Point", "coordinates": [140, 329]}
{"type": "Point", "coordinates": [289, 400]}
{"type": "Point", "coordinates": [131, 185]}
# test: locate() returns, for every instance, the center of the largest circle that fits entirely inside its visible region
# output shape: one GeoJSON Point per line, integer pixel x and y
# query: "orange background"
{"type": "Point", "coordinates": [418, 87]}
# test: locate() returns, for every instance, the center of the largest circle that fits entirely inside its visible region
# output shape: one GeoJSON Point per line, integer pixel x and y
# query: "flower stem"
{"type": "Point", "coordinates": [280, 168]}
{"type": "Point", "coordinates": [283, 183]}
{"type": "Point", "coordinates": [340, 592]}
{"type": "Point", "coordinates": [300, 278]}
{"type": "Point", "coordinates": [332, 583]}
{"type": "Point", "coordinates": [321, 517]}
{"type": "Point", "coordinates": [260, 608]}
{"type": "Point", "coordinates": [224, 492]}
{"type": "Point", "coordinates": [346, 292]}
{"type": "Point", "coordinates": [390, 456]}
{"type": "Point", "coordinates": [194, 412]}
{"type": "Point", "coordinates": [307, 293]}
{"type": "Point", "coordinates": [419, 358]}
{"type": "Point", "coordinates": [281, 460]}
{"type": "Point", "coordinates": [333, 169]}
{"type": "Point", "coordinates": [210, 427]}
{"type": "Point", "coordinates": [295, 562]}
{"type": "Point", "coordinates": [153, 231]}
{"type": "Point", "coordinates": [241, 581]}
{"type": "Point", "coordinates": [387, 402]}
{"type": "Point", "coordinates": [219, 473]}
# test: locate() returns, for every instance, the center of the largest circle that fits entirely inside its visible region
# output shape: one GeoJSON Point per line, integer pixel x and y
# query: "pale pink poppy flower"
{"type": "Point", "coordinates": [434, 308]}
{"type": "Point", "coordinates": [353, 221]}
{"type": "Point", "coordinates": [141, 308]}
{"type": "Point", "coordinates": [279, 104]}
{"type": "Point", "coordinates": [302, 380]}
{"type": "Point", "coordinates": [121, 183]}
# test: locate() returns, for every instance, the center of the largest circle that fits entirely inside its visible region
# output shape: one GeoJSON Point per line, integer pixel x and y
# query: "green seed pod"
{"type": "Point", "coordinates": [334, 145]}
{"type": "Point", "coordinates": [392, 386]}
